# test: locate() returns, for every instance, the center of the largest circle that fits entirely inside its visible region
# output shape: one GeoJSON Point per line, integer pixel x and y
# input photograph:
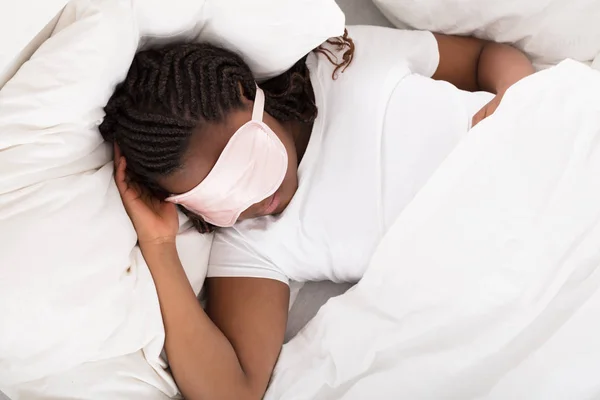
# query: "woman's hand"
{"type": "Point", "coordinates": [155, 221]}
{"type": "Point", "coordinates": [487, 110]}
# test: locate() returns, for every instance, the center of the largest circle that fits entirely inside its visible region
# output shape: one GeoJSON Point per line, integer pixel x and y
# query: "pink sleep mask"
{"type": "Point", "coordinates": [251, 168]}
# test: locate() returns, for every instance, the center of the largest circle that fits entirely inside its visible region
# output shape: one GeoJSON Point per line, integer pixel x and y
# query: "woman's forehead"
{"type": "Point", "coordinates": [203, 151]}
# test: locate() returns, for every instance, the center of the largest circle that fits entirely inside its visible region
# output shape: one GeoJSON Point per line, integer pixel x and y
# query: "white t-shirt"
{"type": "Point", "coordinates": [383, 128]}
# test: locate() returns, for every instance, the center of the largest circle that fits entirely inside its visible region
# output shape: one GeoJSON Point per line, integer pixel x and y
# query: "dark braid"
{"type": "Point", "coordinates": [172, 91]}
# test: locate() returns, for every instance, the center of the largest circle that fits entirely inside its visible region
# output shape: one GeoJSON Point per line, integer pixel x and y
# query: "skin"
{"type": "Point", "coordinates": [229, 350]}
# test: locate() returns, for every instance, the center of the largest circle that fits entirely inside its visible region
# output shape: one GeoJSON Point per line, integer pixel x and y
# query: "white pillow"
{"type": "Point", "coordinates": [73, 286]}
{"type": "Point", "coordinates": [67, 294]}
{"type": "Point", "coordinates": [270, 35]}
{"type": "Point", "coordinates": [548, 30]}
{"type": "Point", "coordinates": [24, 25]}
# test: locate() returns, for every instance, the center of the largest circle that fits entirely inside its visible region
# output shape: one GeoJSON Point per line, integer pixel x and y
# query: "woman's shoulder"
{"type": "Point", "coordinates": [378, 49]}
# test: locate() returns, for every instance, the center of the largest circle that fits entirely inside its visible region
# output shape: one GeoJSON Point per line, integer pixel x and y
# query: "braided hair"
{"type": "Point", "coordinates": [171, 91]}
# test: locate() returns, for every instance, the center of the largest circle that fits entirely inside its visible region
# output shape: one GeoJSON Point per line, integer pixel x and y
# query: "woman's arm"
{"type": "Point", "coordinates": [233, 357]}
{"type": "Point", "coordinates": [473, 64]}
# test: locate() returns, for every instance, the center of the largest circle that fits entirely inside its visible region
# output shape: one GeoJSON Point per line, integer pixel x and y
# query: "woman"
{"type": "Point", "coordinates": [312, 168]}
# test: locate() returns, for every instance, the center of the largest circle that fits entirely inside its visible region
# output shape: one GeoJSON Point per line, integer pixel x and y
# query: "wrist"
{"type": "Point", "coordinates": [511, 78]}
{"type": "Point", "coordinates": [505, 85]}
{"type": "Point", "coordinates": [158, 248]}
{"type": "Point", "coordinates": [162, 260]}
{"type": "Point", "coordinates": [161, 241]}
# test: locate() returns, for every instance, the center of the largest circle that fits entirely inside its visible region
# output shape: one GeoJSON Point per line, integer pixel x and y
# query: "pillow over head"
{"type": "Point", "coordinates": [270, 35]}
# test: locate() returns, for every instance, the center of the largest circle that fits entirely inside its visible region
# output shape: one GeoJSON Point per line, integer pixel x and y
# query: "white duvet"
{"type": "Point", "coordinates": [487, 286]}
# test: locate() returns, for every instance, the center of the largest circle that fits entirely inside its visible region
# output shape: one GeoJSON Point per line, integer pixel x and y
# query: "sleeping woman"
{"type": "Point", "coordinates": [299, 176]}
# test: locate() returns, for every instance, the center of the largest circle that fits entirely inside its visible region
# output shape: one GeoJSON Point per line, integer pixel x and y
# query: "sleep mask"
{"type": "Point", "coordinates": [251, 168]}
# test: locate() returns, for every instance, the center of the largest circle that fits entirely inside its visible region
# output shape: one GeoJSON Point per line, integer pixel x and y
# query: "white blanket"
{"type": "Point", "coordinates": [487, 286]}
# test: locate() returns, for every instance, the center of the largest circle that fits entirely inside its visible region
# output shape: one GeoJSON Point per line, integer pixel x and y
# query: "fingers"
{"type": "Point", "coordinates": [477, 118]}
{"type": "Point", "coordinates": [128, 190]}
{"type": "Point", "coordinates": [486, 111]}
{"type": "Point", "coordinates": [482, 114]}
{"type": "Point", "coordinates": [117, 151]}
{"type": "Point", "coordinates": [120, 174]}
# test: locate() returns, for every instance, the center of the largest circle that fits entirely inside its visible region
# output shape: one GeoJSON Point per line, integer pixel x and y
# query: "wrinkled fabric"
{"type": "Point", "coordinates": [488, 284]}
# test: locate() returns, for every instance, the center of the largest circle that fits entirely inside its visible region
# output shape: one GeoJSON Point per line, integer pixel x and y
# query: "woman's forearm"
{"type": "Point", "coordinates": [501, 66]}
{"type": "Point", "coordinates": [202, 360]}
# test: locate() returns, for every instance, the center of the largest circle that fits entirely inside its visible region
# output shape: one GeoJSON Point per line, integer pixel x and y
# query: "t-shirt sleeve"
{"type": "Point", "coordinates": [418, 49]}
{"type": "Point", "coordinates": [230, 256]}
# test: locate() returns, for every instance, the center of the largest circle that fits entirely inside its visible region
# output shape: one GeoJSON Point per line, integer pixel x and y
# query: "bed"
{"type": "Point", "coordinates": [125, 361]}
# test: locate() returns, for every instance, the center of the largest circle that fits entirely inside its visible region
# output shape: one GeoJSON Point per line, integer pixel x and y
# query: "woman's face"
{"type": "Point", "coordinates": [205, 148]}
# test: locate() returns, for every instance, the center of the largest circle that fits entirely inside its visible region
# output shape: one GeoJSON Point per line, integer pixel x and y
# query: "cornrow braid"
{"type": "Point", "coordinates": [171, 91]}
